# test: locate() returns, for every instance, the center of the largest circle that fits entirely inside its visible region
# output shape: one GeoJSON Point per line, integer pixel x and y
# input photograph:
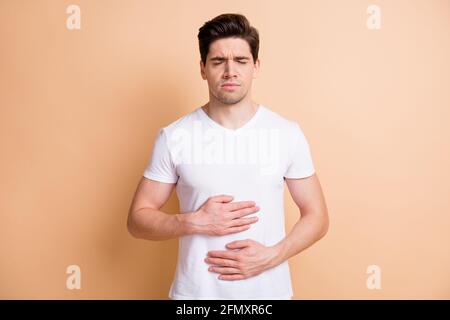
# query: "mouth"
{"type": "Point", "coordinates": [230, 85]}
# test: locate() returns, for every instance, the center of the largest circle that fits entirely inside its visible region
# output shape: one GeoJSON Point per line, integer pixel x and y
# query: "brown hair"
{"type": "Point", "coordinates": [225, 26]}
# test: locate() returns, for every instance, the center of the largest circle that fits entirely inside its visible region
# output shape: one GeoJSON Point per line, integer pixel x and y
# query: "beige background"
{"type": "Point", "coordinates": [80, 110]}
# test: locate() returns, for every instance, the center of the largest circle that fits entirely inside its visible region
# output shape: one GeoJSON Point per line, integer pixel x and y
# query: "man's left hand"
{"type": "Point", "coordinates": [245, 259]}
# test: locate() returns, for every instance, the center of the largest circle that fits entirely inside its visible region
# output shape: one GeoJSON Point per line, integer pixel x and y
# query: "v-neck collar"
{"type": "Point", "coordinates": [232, 131]}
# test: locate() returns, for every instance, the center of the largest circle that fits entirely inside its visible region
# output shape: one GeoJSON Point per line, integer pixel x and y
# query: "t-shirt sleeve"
{"type": "Point", "coordinates": [160, 166]}
{"type": "Point", "coordinates": [300, 164]}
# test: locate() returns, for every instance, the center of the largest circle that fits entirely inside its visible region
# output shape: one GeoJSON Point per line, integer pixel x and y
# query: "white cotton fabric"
{"type": "Point", "coordinates": [205, 159]}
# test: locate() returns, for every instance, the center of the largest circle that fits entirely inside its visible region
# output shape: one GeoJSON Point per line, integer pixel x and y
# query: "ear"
{"type": "Point", "coordinates": [256, 68]}
{"type": "Point", "coordinates": [202, 70]}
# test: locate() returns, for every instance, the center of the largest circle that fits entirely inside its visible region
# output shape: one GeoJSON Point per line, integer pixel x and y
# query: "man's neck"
{"type": "Point", "coordinates": [231, 116]}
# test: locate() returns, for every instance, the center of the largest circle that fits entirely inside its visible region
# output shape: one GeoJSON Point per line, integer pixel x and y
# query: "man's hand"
{"type": "Point", "coordinates": [219, 216]}
{"type": "Point", "coordinates": [251, 259]}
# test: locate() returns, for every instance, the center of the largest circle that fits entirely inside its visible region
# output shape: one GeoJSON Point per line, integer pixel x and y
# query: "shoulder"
{"type": "Point", "coordinates": [289, 126]}
{"type": "Point", "coordinates": [184, 122]}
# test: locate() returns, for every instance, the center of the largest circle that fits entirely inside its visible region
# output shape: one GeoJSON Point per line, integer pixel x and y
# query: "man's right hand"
{"type": "Point", "coordinates": [219, 216]}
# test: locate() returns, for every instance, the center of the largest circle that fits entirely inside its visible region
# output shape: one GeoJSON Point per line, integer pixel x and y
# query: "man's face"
{"type": "Point", "coordinates": [229, 70]}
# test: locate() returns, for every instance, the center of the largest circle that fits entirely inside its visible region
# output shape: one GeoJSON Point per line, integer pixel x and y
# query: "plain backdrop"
{"type": "Point", "coordinates": [80, 109]}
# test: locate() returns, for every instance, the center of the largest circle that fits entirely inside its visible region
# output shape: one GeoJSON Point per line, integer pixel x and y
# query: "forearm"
{"type": "Point", "coordinates": [309, 229]}
{"type": "Point", "coordinates": [152, 224]}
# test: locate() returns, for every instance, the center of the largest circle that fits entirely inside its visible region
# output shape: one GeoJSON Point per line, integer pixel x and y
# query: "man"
{"type": "Point", "coordinates": [229, 160]}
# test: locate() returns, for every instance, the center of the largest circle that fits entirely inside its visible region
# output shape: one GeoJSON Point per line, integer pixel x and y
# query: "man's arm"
{"type": "Point", "coordinates": [254, 258]}
{"type": "Point", "coordinates": [217, 216]}
{"type": "Point", "coordinates": [313, 222]}
{"type": "Point", "coordinates": [145, 220]}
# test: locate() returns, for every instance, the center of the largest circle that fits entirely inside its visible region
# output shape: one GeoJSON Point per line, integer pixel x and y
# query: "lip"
{"type": "Point", "coordinates": [230, 85]}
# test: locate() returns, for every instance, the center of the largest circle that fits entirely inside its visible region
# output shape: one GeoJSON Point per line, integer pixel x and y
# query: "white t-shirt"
{"type": "Point", "coordinates": [205, 159]}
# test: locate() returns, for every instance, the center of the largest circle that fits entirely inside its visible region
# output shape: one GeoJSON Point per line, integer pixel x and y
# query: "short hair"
{"type": "Point", "coordinates": [225, 26]}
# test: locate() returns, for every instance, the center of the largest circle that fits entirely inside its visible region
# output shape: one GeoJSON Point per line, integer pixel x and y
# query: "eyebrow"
{"type": "Point", "coordinates": [219, 58]}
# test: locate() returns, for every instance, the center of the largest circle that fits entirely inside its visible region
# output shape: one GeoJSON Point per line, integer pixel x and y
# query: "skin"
{"type": "Point", "coordinates": [230, 60]}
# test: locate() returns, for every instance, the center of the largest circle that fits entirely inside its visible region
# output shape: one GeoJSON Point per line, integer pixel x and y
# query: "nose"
{"type": "Point", "coordinates": [229, 69]}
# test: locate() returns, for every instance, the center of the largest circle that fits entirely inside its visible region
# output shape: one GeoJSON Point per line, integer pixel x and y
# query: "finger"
{"type": "Point", "coordinates": [231, 277]}
{"type": "Point", "coordinates": [244, 212]}
{"type": "Point", "coordinates": [243, 221]}
{"type": "Point", "coordinates": [224, 270]}
{"type": "Point", "coordinates": [222, 254]}
{"type": "Point", "coordinates": [239, 244]}
{"type": "Point", "coordinates": [218, 262]}
{"type": "Point", "coordinates": [222, 198]}
{"type": "Point", "coordinates": [237, 229]}
{"type": "Point", "coordinates": [239, 205]}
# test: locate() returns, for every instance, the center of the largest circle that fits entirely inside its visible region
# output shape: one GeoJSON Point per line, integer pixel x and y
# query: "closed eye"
{"type": "Point", "coordinates": [240, 61]}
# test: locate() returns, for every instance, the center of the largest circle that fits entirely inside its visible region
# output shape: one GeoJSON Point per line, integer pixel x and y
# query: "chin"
{"type": "Point", "coordinates": [230, 101]}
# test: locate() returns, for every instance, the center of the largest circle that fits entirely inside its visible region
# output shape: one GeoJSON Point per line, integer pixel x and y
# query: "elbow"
{"type": "Point", "coordinates": [137, 229]}
{"type": "Point", "coordinates": [131, 226]}
{"type": "Point", "coordinates": [325, 226]}
{"type": "Point", "coordinates": [318, 218]}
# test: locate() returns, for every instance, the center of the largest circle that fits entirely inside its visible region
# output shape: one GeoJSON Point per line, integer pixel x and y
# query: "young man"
{"type": "Point", "coordinates": [228, 160]}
